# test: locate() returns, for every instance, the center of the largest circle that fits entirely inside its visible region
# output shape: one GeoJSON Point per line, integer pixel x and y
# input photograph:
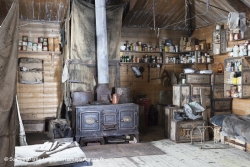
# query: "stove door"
{"type": "Point", "coordinates": [109, 119]}
{"type": "Point", "coordinates": [90, 121]}
{"type": "Point", "coordinates": [128, 119]}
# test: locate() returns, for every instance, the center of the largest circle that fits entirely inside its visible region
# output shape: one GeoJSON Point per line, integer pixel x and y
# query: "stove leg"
{"type": "Point", "coordinates": [78, 139]}
{"type": "Point", "coordinates": [137, 138]}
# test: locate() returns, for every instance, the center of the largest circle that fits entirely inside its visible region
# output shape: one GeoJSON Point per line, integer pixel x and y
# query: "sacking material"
{"type": "Point", "coordinates": [192, 109]}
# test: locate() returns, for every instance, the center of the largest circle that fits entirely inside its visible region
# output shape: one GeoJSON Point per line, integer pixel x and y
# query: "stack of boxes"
{"type": "Point", "coordinates": [39, 44]}
{"type": "Point", "coordinates": [180, 130]}
{"type": "Point", "coordinates": [220, 103]}
{"type": "Point", "coordinates": [197, 82]}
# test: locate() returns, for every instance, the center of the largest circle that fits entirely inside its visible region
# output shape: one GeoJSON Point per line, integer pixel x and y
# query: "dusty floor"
{"type": "Point", "coordinates": [183, 155]}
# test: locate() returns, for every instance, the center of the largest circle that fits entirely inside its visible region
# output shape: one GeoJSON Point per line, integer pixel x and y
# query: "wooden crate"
{"type": "Point", "coordinates": [219, 105]}
{"type": "Point", "coordinates": [198, 78]}
{"type": "Point", "coordinates": [218, 91]}
{"type": "Point", "coordinates": [181, 94]}
{"type": "Point", "coordinates": [235, 143]}
{"type": "Point", "coordinates": [168, 116]}
{"type": "Point", "coordinates": [217, 78]}
{"type": "Point", "coordinates": [198, 100]}
{"type": "Point", "coordinates": [241, 106]}
{"type": "Point", "coordinates": [33, 126]}
{"type": "Point", "coordinates": [195, 89]}
{"type": "Point", "coordinates": [181, 131]}
{"type": "Point", "coordinates": [221, 113]}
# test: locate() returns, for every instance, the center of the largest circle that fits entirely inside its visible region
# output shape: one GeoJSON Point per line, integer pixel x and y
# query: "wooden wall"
{"type": "Point", "coordinates": [141, 86]}
{"type": "Point", "coordinates": [37, 101]}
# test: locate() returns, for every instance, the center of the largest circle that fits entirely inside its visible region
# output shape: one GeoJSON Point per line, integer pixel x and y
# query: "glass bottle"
{"type": "Point", "coordinates": [208, 58]}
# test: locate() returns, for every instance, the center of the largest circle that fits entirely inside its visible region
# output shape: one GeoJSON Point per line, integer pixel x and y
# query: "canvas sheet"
{"type": "Point", "coordinates": [83, 46]}
{"type": "Point", "coordinates": [8, 67]}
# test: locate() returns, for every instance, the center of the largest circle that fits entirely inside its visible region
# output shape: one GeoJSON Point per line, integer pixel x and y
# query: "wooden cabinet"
{"type": "Point", "coordinates": [30, 71]}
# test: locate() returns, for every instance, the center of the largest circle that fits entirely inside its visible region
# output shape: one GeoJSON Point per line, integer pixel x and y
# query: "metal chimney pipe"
{"type": "Point", "coordinates": [102, 51]}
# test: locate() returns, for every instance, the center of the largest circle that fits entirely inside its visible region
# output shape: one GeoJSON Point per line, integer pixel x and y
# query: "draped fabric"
{"type": "Point", "coordinates": [8, 71]}
{"type": "Point", "coordinates": [83, 46]}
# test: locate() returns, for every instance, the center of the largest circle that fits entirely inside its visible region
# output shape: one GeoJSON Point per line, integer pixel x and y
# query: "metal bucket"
{"type": "Point", "coordinates": [124, 93]}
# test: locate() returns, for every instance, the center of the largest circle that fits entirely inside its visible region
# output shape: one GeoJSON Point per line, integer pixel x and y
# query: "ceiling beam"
{"type": "Point", "coordinates": [239, 6]}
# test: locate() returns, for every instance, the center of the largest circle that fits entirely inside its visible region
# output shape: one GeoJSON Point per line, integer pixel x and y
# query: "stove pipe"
{"type": "Point", "coordinates": [102, 90]}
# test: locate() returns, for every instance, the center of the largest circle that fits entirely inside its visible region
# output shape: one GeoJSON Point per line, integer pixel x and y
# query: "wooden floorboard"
{"type": "Point", "coordinates": [182, 155]}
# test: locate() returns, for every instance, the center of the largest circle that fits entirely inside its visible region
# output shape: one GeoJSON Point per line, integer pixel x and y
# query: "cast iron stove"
{"type": "Point", "coordinates": [94, 122]}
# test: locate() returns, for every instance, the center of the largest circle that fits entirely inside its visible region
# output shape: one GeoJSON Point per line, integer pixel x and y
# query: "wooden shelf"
{"type": "Point", "coordinates": [37, 52]}
{"type": "Point", "coordinates": [140, 63]}
{"type": "Point", "coordinates": [166, 63]}
{"type": "Point", "coordinates": [140, 51]}
{"type": "Point", "coordinates": [187, 51]}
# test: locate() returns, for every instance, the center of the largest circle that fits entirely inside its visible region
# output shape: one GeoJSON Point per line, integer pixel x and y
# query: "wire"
{"type": "Point", "coordinates": [186, 19]}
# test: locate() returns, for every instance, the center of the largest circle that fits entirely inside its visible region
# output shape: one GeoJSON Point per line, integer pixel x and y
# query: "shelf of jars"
{"type": "Point", "coordinates": [237, 77]}
{"type": "Point", "coordinates": [183, 52]}
{"type": "Point", "coordinates": [131, 51]}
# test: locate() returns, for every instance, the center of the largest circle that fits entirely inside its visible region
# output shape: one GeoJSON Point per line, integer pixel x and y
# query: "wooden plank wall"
{"type": "Point", "coordinates": [140, 86]}
{"type": "Point", "coordinates": [37, 101]}
{"type": "Point", "coordinates": [239, 106]}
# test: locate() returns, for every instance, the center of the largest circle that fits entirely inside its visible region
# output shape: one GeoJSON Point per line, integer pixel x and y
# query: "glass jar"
{"type": "Point", "coordinates": [236, 36]}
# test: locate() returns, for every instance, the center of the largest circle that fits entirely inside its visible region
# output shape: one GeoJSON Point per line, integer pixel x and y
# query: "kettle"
{"type": "Point", "coordinates": [115, 98]}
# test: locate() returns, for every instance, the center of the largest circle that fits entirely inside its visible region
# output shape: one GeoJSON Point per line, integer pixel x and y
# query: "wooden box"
{"type": "Point", "coordinates": [57, 48]}
{"type": "Point", "coordinates": [181, 131]}
{"type": "Point", "coordinates": [195, 89]}
{"type": "Point", "coordinates": [241, 106]}
{"type": "Point", "coordinates": [168, 116]}
{"type": "Point", "coordinates": [198, 78]}
{"type": "Point", "coordinates": [235, 143]}
{"type": "Point", "coordinates": [218, 91]}
{"type": "Point", "coordinates": [55, 41]}
{"type": "Point", "coordinates": [221, 113]}
{"type": "Point", "coordinates": [181, 95]}
{"type": "Point", "coordinates": [219, 105]}
{"type": "Point", "coordinates": [217, 78]}
{"type": "Point", "coordinates": [51, 47]}
{"type": "Point", "coordinates": [50, 41]}
{"type": "Point", "coordinates": [33, 126]}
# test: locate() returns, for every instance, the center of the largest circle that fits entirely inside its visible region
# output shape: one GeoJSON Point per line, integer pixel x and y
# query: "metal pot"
{"type": "Point", "coordinates": [82, 98]}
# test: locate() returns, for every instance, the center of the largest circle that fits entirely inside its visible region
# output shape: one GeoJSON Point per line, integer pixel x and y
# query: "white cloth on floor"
{"type": "Point", "coordinates": [66, 153]}
{"type": "Point", "coordinates": [47, 146]}
{"type": "Point", "coordinates": [233, 20]}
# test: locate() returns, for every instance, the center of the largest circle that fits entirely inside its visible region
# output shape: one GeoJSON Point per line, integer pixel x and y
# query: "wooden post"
{"type": "Point", "coordinates": [203, 103]}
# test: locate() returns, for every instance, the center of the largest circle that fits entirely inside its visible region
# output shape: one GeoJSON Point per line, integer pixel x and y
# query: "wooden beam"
{"type": "Point", "coordinates": [116, 2]}
{"type": "Point", "coordinates": [239, 6]}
